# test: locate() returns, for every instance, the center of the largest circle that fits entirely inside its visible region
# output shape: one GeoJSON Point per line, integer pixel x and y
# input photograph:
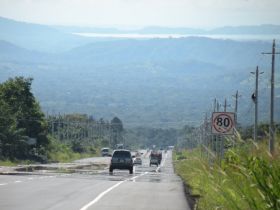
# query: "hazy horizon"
{"type": "Point", "coordinates": [144, 13]}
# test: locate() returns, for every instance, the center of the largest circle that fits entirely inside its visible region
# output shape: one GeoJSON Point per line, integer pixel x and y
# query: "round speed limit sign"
{"type": "Point", "coordinates": [223, 123]}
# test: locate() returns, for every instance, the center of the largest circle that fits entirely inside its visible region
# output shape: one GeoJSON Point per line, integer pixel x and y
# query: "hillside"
{"type": "Point", "coordinates": [38, 37]}
{"type": "Point", "coordinates": [153, 82]}
{"type": "Point", "coordinates": [157, 82]}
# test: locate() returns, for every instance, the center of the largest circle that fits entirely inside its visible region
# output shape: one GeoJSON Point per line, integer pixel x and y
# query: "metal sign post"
{"type": "Point", "coordinates": [223, 123]}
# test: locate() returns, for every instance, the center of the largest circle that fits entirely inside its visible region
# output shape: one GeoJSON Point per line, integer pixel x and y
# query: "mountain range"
{"type": "Point", "coordinates": [151, 82]}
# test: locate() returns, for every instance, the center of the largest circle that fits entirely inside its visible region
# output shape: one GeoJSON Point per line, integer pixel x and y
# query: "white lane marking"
{"type": "Point", "coordinates": [158, 168]}
{"type": "Point", "coordinates": [108, 190]}
{"type": "Point", "coordinates": [30, 178]}
{"type": "Point", "coordinates": [162, 164]}
{"type": "Point", "coordinates": [18, 181]}
{"type": "Point", "coordinates": [103, 171]}
{"type": "Point", "coordinates": [2, 184]}
{"type": "Point", "coordinates": [101, 195]}
{"type": "Point", "coordinates": [134, 178]}
{"type": "Point", "coordinates": [65, 175]}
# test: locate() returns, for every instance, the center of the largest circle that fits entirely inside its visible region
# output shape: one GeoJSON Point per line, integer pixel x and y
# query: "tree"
{"type": "Point", "coordinates": [22, 120]}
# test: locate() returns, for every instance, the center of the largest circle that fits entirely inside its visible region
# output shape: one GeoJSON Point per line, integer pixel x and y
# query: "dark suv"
{"type": "Point", "coordinates": [121, 159]}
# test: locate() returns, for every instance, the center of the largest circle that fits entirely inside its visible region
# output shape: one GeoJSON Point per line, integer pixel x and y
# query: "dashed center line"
{"type": "Point", "coordinates": [110, 189]}
{"type": "Point", "coordinates": [116, 185]}
{"type": "Point", "coordinates": [18, 181]}
{"type": "Point", "coordinates": [2, 184]}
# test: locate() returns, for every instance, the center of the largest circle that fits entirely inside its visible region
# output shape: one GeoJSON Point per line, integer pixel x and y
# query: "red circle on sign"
{"type": "Point", "coordinates": [222, 129]}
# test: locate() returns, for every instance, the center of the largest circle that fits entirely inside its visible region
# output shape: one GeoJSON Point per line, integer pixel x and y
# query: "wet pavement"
{"type": "Point", "coordinates": [71, 186]}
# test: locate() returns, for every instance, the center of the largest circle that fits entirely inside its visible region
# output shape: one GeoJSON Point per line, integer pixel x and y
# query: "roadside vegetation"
{"type": "Point", "coordinates": [248, 177]}
{"type": "Point", "coordinates": [27, 136]}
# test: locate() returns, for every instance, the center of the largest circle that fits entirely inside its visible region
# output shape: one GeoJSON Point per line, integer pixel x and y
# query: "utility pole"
{"type": "Point", "coordinates": [205, 131]}
{"type": "Point", "coordinates": [215, 104]}
{"type": "Point", "coordinates": [255, 98]}
{"type": "Point", "coordinates": [226, 105]}
{"type": "Point", "coordinates": [218, 106]}
{"type": "Point", "coordinates": [271, 126]}
{"type": "Point", "coordinates": [236, 96]}
{"type": "Point", "coordinates": [52, 122]}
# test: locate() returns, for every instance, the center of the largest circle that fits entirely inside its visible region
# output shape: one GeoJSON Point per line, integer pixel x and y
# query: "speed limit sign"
{"type": "Point", "coordinates": [223, 123]}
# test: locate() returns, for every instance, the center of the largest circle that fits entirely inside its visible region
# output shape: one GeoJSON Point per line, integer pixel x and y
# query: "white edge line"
{"type": "Point", "coordinates": [162, 164]}
{"type": "Point", "coordinates": [2, 184]}
{"type": "Point", "coordinates": [108, 190]}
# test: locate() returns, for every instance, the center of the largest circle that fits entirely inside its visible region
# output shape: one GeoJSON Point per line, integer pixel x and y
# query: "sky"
{"type": "Point", "coordinates": [139, 13]}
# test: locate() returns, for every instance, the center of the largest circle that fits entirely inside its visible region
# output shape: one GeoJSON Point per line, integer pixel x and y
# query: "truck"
{"type": "Point", "coordinates": [155, 158]}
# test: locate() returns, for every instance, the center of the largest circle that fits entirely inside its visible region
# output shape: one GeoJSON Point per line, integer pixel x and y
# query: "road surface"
{"type": "Point", "coordinates": [153, 188]}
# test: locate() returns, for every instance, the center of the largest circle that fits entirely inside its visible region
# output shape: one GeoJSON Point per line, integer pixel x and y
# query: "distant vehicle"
{"type": "Point", "coordinates": [105, 152]}
{"type": "Point", "coordinates": [119, 146]}
{"type": "Point", "coordinates": [137, 161]}
{"type": "Point", "coordinates": [121, 159]}
{"type": "Point", "coordinates": [155, 158]}
{"type": "Point", "coordinates": [170, 147]}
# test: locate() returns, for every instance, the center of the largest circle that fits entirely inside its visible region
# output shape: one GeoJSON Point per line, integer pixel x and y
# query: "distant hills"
{"type": "Point", "coordinates": [57, 39]}
{"type": "Point", "coordinates": [151, 82]}
{"type": "Point", "coordinates": [38, 37]}
{"type": "Point", "coordinates": [261, 29]}
{"type": "Point", "coordinates": [253, 30]}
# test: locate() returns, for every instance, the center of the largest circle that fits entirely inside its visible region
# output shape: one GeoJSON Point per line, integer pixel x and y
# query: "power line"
{"type": "Point", "coordinates": [236, 96]}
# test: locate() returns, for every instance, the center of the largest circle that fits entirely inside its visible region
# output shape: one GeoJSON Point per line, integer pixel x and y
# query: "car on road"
{"type": "Point", "coordinates": [105, 152]}
{"type": "Point", "coordinates": [137, 161]}
{"type": "Point", "coordinates": [121, 159]}
{"type": "Point", "coordinates": [119, 146]}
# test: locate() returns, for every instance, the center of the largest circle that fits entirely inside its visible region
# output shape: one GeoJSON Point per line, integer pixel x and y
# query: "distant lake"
{"type": "Point", "coordinates": [249, 37]}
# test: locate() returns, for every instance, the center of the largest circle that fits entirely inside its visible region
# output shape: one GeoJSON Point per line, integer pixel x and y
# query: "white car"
{"type": "Point", "coordinates": [105, 152]}
{"type": "Point", "coordinates": [137, 161]}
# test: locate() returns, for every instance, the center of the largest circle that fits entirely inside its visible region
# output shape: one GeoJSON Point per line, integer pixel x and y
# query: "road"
{"type": "Point", "coordinates": [153, 188]}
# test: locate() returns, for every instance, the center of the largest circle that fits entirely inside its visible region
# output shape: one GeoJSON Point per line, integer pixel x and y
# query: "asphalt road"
{"type": "Point", "coordinates": [153, 188]}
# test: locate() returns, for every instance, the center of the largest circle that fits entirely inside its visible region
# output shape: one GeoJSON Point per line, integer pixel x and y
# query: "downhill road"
{"type": "Point", "coordinates": [153, 188]}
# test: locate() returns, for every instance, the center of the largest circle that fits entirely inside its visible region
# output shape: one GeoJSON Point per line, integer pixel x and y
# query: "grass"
{"type": "Point", "coordinates": [7, 163]}
{"type": "Point", "coordinates": [247, 179]}
{"type": "Point", "coordinates": [61, 156]}
{"type": "Point", "coordinates": [14, 162]}
{"type": "Point", "coordinates": [56, 152]}
{"type": "Point", "coordinates": [68, 156]}
{"type": "Point", "coordinates": [60, 152]}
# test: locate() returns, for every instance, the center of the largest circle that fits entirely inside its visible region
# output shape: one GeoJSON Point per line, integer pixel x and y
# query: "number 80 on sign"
{"type": "Point", "coordinates": [223, 123]}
